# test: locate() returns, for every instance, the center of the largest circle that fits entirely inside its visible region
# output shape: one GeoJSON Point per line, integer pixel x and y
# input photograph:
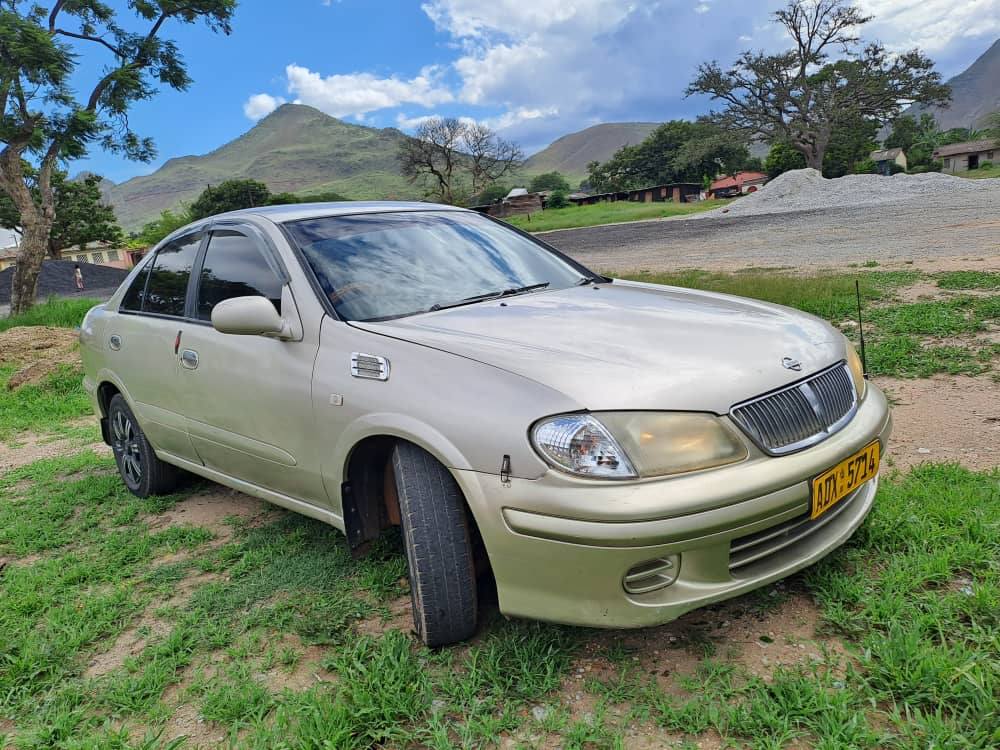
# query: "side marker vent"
{"type": "Point", "coordinates": [369, 366]}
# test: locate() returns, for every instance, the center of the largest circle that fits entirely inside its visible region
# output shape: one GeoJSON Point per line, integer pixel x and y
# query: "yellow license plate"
{"type": "Point", "coordinates": [833, 485]}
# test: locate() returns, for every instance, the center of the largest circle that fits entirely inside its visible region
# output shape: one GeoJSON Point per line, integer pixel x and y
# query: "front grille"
{"type": "Point", "coordinates": [755, 547]}
{"type": "Point", "coordinates": [801, 414]}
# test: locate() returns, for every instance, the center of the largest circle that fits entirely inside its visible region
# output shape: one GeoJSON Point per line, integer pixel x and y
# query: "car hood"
{"type": "Point", "coordinates": [629, 345]}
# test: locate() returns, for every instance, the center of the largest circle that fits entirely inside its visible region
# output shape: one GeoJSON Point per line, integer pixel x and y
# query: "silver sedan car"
{"type": "Point", "coordinates": [616, 453]}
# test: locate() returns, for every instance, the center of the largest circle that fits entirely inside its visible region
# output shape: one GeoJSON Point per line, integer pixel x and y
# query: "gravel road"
{"type": "Point", "coordinates": [960, 226]}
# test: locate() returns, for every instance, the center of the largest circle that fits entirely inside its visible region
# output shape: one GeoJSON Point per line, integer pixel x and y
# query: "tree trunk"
{"type": "Point", "coordinates": [36, 225]}
{"type": "Point", "coordinates": [33, 250]}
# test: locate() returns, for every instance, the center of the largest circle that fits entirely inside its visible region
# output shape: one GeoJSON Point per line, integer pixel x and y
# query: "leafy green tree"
{"type": "Point", "coordinates": [492, 194]}
{"type": "Point", "coordinates": [852, 141]}
{"type": "Point", "coordinates": [676, 151]}
{"type": "Point", "coordinates": [549, 181]}
{"type": "Point", "coordinates": [156, 230]}
{"type": "Point", "coordinates": [557, 199]}
{"type": "Point", "coordinates": [783, 158]}
{"type": "Point", "coordinates": [81, 215]}
{"type": "Point", "coordinates": [45, 121]}
{"type": "Point", "coordinates": [797, 96]}
{"type": "Point", "coordinates": [283, 199]}
{"type": "Point", "coordinates": [230, 195]}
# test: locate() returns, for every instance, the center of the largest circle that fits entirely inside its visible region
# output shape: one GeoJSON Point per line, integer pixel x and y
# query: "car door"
{"type": "Point", "coordinates": [142, 341]}
{"type": "Point", "coordinates": [247, 399]}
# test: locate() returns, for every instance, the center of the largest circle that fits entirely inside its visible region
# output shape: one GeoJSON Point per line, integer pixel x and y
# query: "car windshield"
{"type": "Point", "coordinates": [389, 265]}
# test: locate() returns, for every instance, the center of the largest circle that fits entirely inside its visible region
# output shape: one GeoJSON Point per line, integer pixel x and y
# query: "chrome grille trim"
{"type": "Point", "coordinates": [752, 548]}
{"type": "Point", "coordinates": [801, 414]}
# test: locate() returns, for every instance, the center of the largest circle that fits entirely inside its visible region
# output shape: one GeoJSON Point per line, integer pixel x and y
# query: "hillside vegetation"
{"type": "Point", "coordinates": [294, 149]}
{"type": "Point", "coordinates": [571, 153]}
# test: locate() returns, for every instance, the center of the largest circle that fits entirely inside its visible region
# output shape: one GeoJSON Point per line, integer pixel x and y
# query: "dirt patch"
{"type": "Point", "coordinates": [400, 617]}
{"type": "Point", "coordinates": [38, 351]}
{"type": "Point", "coordinates": [31, 447]}
{"type": "Point", "coordinates": [305, 673]}
{"type": "Point", "coordinates": [210, 509]}
{"type": "Point", "coordinates": [944, 418]}
{"type": "Point", "coordinates": [186, 721]}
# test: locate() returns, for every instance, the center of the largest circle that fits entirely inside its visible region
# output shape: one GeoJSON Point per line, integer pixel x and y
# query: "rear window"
{"type": "Point", "coordinates": [168, 277]}
{"type": "Point", "coordinates": [132, 301]}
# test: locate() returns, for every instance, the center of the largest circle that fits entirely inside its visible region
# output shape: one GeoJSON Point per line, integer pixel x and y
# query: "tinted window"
{"type": "Point", "coordinates": [379, 266]}
{"type": "Point", "coordinates": [133, 297]}
{"type": "Point", "coordinates": [235, 267]}
{"type": "Point", "coordinates": [169, 276]}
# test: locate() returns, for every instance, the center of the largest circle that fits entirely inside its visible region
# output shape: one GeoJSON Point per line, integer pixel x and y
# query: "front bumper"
{"type": "Point", "coordinates": [560, 547]}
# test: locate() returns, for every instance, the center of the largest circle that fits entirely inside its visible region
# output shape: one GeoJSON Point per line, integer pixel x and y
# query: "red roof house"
{"type": "Point", "coordinates": [740, 183]}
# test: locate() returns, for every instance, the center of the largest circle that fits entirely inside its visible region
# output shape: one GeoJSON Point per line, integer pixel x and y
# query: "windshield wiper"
{"type": "Point", "coordinates": [487, 296]}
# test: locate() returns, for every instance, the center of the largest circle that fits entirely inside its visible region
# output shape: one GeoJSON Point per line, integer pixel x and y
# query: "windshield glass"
{"type": "Point", "coordinates": [379, 266]}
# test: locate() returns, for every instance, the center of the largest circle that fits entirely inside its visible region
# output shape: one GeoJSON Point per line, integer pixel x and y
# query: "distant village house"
{"type": "Point", "coordinates": [98, 253]}
{"type": "Point", "coordinates": [740, 183]}
{"type": "Point", "coordinates": [885, 158]}
{"type": "Point", "coordinates": [959, 157]}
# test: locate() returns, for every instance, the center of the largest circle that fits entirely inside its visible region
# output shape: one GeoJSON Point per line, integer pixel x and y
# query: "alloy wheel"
{"type": "Point", "coordinates": [126, 447]}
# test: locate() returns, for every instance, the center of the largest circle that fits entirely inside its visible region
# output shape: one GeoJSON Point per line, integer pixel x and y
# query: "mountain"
{"type": "Point", "coordinates": [295, 149]}
{"type": "Point", "coordinates": [975, 93]}
{"type": "Point", "coordinates": [571, 153]}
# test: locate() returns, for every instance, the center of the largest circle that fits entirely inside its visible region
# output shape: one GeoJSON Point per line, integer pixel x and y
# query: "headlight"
{"type": "Point", "coordinates": [857, 370]}
{"type": "Point", "coordinates": [627, 445]}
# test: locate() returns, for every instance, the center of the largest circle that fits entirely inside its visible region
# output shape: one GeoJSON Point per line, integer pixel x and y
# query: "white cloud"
{"type": "Point", "coordinates": [342, 95]}
{"type": "Point", "coordinates": [931, 25]}
{"type": "Point", "coordinates": [702, 8]}
{"type": "Point", "coordinates": [261, 105]}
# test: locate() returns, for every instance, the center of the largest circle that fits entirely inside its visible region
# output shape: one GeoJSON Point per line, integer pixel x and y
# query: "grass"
{"type": "Point", "coordinates": [969, 280]}
{"type": "Point", "coordinates": [42, 407]}
{"type": "Point", "coordinates": [915, 597]}
{"type": "Point", "coordinates": [980, 174]}
{"type": "Point", "coordinates": [63, 313]}
{"type": "Point", "coordinates": [607, 213]}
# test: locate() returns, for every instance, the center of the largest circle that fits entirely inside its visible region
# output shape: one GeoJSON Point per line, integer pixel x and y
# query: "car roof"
{"type": "Point", "coordinates": [298, 211]}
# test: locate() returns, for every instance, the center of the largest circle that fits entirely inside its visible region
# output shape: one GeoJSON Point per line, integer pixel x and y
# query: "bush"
{"type": "Point", "coordinates": [557, 200]}
{"type": "Point", "coordinates": [986, 165]}
{"type": "Point", "coordinates": [865, 166]}
{"type": "Point", "coordinates": [894, 168]}
{"type": "Point", "coordinates": [549, 181]}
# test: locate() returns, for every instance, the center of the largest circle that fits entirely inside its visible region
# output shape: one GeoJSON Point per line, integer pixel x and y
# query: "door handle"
{"type": "Point", "coordinates": [189, 358]}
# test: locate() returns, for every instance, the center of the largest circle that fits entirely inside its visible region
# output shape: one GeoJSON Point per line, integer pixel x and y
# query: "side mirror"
{"type": "Point", "coordinates": [248, 316]}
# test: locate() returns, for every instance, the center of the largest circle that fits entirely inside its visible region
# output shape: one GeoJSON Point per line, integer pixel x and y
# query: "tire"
{"type": "Point", "coordinates": [438, 547]}
{"type": "Point", "coordinates": [143, 473]}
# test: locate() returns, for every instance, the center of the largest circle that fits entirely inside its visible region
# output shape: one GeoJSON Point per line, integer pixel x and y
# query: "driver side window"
{"type": "Point", "coordinates": [235, 267]}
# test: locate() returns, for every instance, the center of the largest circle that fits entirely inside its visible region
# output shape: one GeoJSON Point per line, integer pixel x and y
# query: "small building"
{"type": "Point", "coordinates": [959, 157]}
{"type": "Point", "coordinates": [885, 158]}
{"type": "Point", "coordinates": [518, 201]}
{"type": "Point", "coordinates": [98, 253]}
{"type": "Point", "coordinates": [678, 192]}
{"type": "Point", "coordinates": [740, 183]}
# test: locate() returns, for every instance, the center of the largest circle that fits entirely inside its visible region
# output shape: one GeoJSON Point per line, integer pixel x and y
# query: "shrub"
{"type": "Point", "coordinates": [865, 166]}
{"type": "Point", "coordinates": [986, 165]}
{"type": "Point", "coordinates": [557, 200]}
{"type": "Point", "coordinates": [894, 168]}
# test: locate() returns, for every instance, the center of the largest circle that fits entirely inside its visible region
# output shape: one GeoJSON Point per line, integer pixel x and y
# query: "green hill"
{"type": "Point", "coordinates": [571, 153]}
{"type": "Point", "coordinates": [295, 148]}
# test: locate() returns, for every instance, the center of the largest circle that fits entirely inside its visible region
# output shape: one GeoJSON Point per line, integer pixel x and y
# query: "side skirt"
{"type": "Point", "coordinates": [276, 498]}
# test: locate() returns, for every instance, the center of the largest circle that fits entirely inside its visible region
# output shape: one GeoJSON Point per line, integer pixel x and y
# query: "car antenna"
{"type": "Point", "coordinates": [861, 330]}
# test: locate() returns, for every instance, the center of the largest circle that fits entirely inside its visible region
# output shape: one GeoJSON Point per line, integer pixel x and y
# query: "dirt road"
{"type": "Point", "coordinates": [831, 237]}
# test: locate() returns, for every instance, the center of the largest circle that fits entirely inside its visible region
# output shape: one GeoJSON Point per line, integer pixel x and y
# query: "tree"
{"type": "Point", "coordinates": [229, 195]}
{"type": "Point", "coordinates": [156, 230]}
{"type": "Point", "coordinates": [852, 140]}
{"type": "Point", "coordinates": [783, 158]}
{"type": "Point", "coordinates": [549, 181]}
{"type": "Point", "coordinates": [797, 95]}
{"type": "Point", "coordinates": [918, 138]}
{"type": "Point", "coordinates": [457, 156]}
{"type": "Point", "coordinates": [81, 216]}
{"type": "Point", "coordinates": [677, 150]}
{"type": "Point", "coordinates": [44, 120]}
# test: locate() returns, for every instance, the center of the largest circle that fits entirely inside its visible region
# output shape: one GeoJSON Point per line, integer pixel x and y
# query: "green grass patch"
{"type": "Point", "coordinates": [63, 313]}
{"type": "Point", "coordinates": [831, 296]}
{"type": "Point", "coordinates": [982, 173]}
{"type": "Point", "coordinates": [949, 317]}
{"type": "Point", "coordinates": [906, 356]}
{"type": "Point", "coordinates": [42, 407]}
{"type": "Point", "coordinates": [618, 212]}
{"type": "Point", "coordinates": [969, 280]}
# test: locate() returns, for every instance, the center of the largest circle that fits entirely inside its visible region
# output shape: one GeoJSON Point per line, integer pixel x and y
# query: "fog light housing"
{"type": "Point", "coordinates": [652, 575]}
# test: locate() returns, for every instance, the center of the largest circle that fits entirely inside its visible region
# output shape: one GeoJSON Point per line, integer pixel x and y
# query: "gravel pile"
{"type": "Point", "coordinates": [57, 279]}
{"type": "Point", "coordinates": [807, 189]}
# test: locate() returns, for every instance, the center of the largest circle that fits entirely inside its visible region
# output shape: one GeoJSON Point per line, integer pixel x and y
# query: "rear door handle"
{"type": "Point", "coordinates": [189, 358]}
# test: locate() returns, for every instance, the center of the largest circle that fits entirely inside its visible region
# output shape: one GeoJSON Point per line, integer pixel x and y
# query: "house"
{"type": "Point", "coordinates": [958, 157]}
{"type": "Point", "coordinates": [885, 158]}
{"type": "Point", "coordinates": [98, 253]}
{"type": "Point", "coordinates": [678, 192]}
{"type": "Point", "coordinates": [740, 183]}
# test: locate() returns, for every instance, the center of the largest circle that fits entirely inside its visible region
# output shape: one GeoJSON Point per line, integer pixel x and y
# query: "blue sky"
{"type": "Point", "coordinates": [534, 69]}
